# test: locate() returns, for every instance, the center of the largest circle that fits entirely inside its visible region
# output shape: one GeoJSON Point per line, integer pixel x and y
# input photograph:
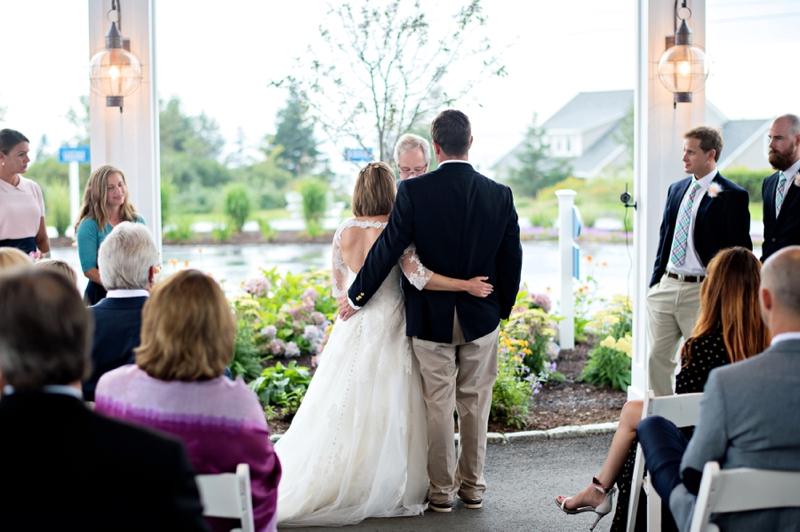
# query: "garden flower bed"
{"type": "Point", "coordinates": [284, 321]}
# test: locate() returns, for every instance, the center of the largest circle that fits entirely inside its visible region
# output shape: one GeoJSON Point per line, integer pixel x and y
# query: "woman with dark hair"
{"type": "Point", "coordinates": [729, 329]}
{"type": "Point", "coordinates": [105, 204]}
{"type": "Point", "coordinates": [22, 223]}
{"type": "Point", "coordinates": [357, 446]}
{"type": "Point", "coordinates": [177, 386]}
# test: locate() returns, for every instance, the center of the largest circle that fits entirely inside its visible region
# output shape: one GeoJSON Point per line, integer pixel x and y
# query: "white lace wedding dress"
{"type": "Point", "coordinates": [357, 447]}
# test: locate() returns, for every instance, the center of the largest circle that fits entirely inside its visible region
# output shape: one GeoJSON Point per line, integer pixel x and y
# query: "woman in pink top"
{"type": "Point", "coordinates": [22, 224]}
{"type": "Point", "coordinates": [177, 386]}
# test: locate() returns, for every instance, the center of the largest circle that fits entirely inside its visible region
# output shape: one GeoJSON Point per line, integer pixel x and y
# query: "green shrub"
{"type": "Point", "coordinates": [615, 321]}
{"type": "Point", "coordinates": [168, 192]}
{"type": "Point", "coordinates": [609, 364]}
{"type": "Point", "coordinates": [57, 206]}
{"type": "Point", "coordinates": [237, 206]}
{"type": "Point", "coordinates": [267, 231]}
{"type": "Point", "coordinates": [511, 397]}
{"type": "Point", "coordinates": [541, 219]}
{"type": "Point", "coordinates": [181, 231]}
{"type": "Point", "coordinates": [314, 192]}
{"type": "Point", "coordinates": [246, 359]}
{"type": "Point", "coordinates": [222, 232]}
{"type": "Point", "coordinates": [534, 328]}
{"type": "Point", "coordinates": [749, 179]}
{"type": "Point", "coordinates": [282, 386]}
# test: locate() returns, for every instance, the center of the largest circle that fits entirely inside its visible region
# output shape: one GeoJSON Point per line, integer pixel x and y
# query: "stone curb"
{"type": "Point", "coordinates": [558, 433]}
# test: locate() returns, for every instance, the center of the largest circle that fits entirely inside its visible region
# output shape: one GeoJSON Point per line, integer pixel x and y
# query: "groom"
{"type": "Point", "coordinates": [463, 225]}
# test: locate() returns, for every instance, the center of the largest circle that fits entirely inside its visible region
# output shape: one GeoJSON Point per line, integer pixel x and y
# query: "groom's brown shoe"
{"type": "Point", "coordinates": [472, 504]}
{"type": "Point", "coordinates": [441, 508]}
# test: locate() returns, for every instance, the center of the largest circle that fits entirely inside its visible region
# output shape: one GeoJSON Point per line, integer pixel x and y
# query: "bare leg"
{"type": "Point", "coordinates": [623, 437]}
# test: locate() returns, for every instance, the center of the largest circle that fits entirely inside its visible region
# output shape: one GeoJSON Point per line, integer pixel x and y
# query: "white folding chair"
{"type": "Point", "coordinates": [683, 411]}
{"type": "Point", "coordinates": [228, 495]}
{"type": "Point", "coordinates": [741, 490]}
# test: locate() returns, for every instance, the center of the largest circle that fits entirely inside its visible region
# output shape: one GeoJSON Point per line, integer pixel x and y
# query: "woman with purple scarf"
{"type": "Point", "coordinates": [177, 386]}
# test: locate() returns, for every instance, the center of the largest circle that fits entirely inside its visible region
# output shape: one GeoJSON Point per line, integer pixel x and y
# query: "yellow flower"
{"type": "Point", "coordinates": [527, 351]}
{"type": "Point", "coordinates": [625, 345]}
{"type": "Point", "coordinates": [609, 342]}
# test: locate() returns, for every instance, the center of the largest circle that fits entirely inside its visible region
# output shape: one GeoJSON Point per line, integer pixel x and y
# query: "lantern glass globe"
{"type": "Point", "coordinates": [115, 72]}
{"type": "Point", "coordinates": [684, 68]}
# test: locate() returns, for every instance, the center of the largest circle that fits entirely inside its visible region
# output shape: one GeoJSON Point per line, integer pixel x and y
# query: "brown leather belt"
{"type": "Point", "coordinates": [686, 278]}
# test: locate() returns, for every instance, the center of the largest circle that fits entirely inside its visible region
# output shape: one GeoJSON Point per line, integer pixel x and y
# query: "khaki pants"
{"type": "Point", "coordinates": [672, 310]}
{"type": "Point", "coordinates": [457, 376]}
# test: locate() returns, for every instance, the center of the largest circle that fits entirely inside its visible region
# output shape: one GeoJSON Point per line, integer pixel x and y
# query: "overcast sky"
{"type": "Point", "coordinates": [218, 57]}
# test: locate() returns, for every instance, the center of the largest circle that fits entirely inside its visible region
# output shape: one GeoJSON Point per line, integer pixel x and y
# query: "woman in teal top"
{"type": "Point", "coordinates": [105, 204]}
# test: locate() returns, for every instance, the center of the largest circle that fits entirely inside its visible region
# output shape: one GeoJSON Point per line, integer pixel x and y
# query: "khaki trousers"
{"type": "Point", "coordinates": [457, 376]}
{"type": "Point", "coordinates": [672, 310]}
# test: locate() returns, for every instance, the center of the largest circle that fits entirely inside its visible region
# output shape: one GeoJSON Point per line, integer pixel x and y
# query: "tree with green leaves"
{"type": "Point", "coordinates": [388, 69]}
{"type": "Point", "coordinates": [295, 135]}
{"type": "Point", "coordinates": [537, 169]}
{"type": "Point", "coordinates": [625, 136]}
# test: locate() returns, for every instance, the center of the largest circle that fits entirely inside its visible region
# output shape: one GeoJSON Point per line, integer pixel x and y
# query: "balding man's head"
{"type": "Point", "coordinates": [780, 284]}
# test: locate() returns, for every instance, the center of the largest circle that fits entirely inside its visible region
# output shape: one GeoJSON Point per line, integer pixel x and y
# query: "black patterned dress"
{"type": "Point", "coordinates": [708, 352]}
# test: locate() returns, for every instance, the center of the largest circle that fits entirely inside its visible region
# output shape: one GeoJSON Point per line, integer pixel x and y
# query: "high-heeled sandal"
{"type": "Point", "coordinates": [602, 509]}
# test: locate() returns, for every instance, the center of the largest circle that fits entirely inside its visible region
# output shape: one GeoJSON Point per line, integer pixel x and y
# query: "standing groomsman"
{"type": "Point", "coordinates": [704, 214]}
{"type": "Point", "coordinates": [781, 199]}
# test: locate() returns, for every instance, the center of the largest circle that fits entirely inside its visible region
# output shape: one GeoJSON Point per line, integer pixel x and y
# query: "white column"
{"type": "Point", "coordinates": [129, 140]}
{"type": "Point", "coordinates": [566, 327]}
{"type": "Point", "coordinates": [658, 148]}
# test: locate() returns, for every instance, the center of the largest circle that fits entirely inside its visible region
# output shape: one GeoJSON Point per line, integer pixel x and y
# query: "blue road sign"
{"type": "Point", "coordinates": [77, 154]}
{"type": "Point", "coordinates": [358, 154]}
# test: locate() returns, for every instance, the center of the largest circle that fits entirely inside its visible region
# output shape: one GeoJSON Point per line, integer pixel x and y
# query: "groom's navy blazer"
{"type": "Point", "coordinates": [722, 222]}
{"type": "Point", "coordinates": [464, 225]}
{"type": "Point", "coordinates": [785, 231]}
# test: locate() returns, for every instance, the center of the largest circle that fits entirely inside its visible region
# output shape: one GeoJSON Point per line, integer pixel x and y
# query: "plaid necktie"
{"type": "Point", "coordinates": [779, 193]}
{"type": "Point", "coordinates": [681, 240]}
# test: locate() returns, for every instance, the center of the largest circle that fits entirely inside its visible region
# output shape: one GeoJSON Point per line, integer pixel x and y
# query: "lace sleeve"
{"type": "Point", "coordinates": [339, 270]}
{"type": "Point", "coordinates": [416, 273]}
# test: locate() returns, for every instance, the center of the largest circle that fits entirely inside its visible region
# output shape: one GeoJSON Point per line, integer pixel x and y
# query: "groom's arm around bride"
{"type": "Point", "coordinates": [463, 225]}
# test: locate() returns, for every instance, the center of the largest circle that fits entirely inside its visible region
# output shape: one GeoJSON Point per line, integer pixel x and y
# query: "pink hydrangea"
{"type": "Point", "coordinates": [258, 287]}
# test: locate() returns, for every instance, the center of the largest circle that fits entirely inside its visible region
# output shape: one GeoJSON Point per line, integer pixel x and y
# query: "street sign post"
{"type": "Point", "coordinates": [73, 155]}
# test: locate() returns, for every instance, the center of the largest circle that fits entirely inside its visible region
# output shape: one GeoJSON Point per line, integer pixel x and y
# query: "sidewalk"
{"type": "Point", "coordinates": [523, 480]}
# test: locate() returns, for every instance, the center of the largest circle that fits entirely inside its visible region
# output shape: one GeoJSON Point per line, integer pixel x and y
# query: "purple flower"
{"type": "Point", "coordinates": [258, 287]}
{"type": "Point", "coordinates": [311, 332]}
{"type": "Point", "coordinates": [542, 301]}
{"type": "Point", "coordinates": [292, 350]}
{"type": "Point", "coordinates": [311, 294]}
{"type": "Point", "coordinates": [318, 317]}
{"type": "Point", "coordinates": [269, 331]}
{"type": "Point", "coordinates": [277, 346]}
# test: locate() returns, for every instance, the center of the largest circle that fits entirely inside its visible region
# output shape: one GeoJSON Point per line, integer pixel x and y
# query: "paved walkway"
{"type": "Point", "coordinates": [523, 480]}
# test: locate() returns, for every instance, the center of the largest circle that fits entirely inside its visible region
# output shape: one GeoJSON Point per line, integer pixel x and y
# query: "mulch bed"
{"type": "Point", "coordinates": [556, 405]}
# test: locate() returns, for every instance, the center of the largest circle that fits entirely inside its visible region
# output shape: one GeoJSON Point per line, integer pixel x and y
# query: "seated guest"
{"type": "Point", "coordinates": [10, 257]}
{"type": "Point", "coordinates": [728, 329]}
{"type": "Point", "coordinates": [128, 258]}
{"type": "Point", "coordinates": [60, 266]}
{"type": "Point", "coordinates": [177, 386]}
{"type": "Point", "coordinates": [748, 413]}
{"type": "Point", "coordinates": [63, 466]}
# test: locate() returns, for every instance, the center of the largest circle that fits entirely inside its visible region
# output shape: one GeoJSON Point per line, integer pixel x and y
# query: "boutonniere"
{"type": "Point", "coordinates": [797, 179]}
{"type": "Point", "coordinates": [714, 189]}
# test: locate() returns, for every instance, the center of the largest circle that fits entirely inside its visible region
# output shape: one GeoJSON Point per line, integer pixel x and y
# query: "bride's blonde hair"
{"type": "Point", "coordinates": [375, 190]}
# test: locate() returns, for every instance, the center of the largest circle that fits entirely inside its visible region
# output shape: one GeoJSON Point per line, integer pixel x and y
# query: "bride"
{"type": "Point", "coordinates": [357, 447]}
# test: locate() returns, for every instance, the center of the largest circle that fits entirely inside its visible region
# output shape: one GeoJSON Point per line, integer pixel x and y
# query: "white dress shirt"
{"type": "Point", "coordinates": [692, 265]}
{"type": "Point", "coordinates": [793, 335]}
{"type": "Point", "coordinates": [121, 293]}
{"type": "Point", "coordinates": [789, 173]}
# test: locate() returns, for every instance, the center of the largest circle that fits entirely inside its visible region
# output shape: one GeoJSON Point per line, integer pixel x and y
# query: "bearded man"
{"type": "Point", "coordinates": [781, 190]}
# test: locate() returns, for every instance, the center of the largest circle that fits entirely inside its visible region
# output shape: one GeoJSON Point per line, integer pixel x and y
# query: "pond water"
{"type": "Point", "coordinates": [233, 264]}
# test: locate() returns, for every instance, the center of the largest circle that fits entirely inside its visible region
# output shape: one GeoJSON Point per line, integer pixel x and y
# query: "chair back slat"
{"type": "Point", "coordinates": [228, 495]}
{"type": "Point", "coordinates": [742, 490]}
{"type": "Point", "coordinates": [680, 409]}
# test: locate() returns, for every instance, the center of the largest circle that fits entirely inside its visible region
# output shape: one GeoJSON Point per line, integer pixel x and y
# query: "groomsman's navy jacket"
{"type": "Point", "coordinates": [785, 231]}
{"type": "Point", "coordinates": [723, 221]}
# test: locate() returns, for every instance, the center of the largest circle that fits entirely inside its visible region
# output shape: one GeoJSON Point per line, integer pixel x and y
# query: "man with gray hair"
{"type": "Point", "coordinates": [127, 259]}
{"type": "Point", "coordinates": [781, 199]}
{"type": "Point", "coordinates": [748, 413]}
{"type": "Point", "coordinates": [412, 154]}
